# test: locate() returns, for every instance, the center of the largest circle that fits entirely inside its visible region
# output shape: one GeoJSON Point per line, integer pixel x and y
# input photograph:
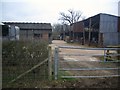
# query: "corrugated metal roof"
{"type": "Point", "coordinates": [30, 25]}
{"type": "Point", "coordinates": [96, 20]}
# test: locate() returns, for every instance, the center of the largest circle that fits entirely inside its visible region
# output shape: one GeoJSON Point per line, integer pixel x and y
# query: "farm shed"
{"type": "Point", "coordinates": [101, 29]}
{"type": "Point", "coordinates": [33, 31]}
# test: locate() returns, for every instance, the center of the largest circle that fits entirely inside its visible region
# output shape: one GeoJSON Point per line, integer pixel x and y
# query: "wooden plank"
{"type": "Point", "coordinates": [50, 63]}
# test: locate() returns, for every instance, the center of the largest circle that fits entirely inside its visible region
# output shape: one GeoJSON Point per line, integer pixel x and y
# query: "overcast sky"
{"type": "Point", "coordinates": [47, 11]}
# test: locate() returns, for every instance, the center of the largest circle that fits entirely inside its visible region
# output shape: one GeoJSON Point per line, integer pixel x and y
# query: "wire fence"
{"type": "Point", "coordinates": [24, 64]}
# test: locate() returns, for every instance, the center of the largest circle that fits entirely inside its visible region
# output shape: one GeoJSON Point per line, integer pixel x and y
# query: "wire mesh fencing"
{"type": "Point", "coordinates": [24, 63]}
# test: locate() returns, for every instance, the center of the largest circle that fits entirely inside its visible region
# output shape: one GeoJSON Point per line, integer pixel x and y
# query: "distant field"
{"type": "Point", "coordinates": [20, 56]}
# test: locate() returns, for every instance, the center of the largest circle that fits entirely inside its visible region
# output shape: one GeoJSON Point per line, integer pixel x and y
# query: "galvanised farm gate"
{"type": "Point", "coordinates": [105, 55]}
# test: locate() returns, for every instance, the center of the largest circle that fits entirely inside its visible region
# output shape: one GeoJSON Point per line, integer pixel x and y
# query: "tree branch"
{"type": "Point", "coordinates": [72, 17]}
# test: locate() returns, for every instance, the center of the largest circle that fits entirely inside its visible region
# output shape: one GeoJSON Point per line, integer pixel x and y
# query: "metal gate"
{"type": "Point", "coordinates": [105, 55]}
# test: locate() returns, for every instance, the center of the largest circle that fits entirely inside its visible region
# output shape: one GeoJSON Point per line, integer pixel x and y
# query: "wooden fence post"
{"type": "Point", "coordinates": [50, 63]}
{"type": "Point", "coordinates": [104, 55]}
{"type": "Point", "coordinates": [56, 58]}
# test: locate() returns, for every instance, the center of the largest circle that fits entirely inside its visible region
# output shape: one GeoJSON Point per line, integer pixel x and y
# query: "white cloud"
{"type": "Point", "coordinates": [48, 10]}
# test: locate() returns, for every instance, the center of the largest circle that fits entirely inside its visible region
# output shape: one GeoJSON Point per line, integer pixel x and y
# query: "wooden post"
{"type": "Point", "coordinates": [83, 33]}
{"type": "Point", "coordinates": [118, 52]}
{"type": "Point", "coordinates": [50, 63]}
{"type": "Point", "coordinates": [89, 31]}
{"type": "Point", "coordinates": [104, 55]}
{"type": "Point", "coordinates": [56, 63]}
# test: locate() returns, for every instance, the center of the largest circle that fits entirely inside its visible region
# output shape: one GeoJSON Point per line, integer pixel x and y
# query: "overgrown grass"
{"type": "Point", "coordinates": [20, 56]}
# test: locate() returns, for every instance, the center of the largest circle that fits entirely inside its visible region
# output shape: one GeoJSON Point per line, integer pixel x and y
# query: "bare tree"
{"type": "Point", "coordinates": [72, 16]}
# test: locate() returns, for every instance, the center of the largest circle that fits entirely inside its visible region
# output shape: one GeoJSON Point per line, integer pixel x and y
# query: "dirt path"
{"type": "Point", "coordinates": [73, 62]}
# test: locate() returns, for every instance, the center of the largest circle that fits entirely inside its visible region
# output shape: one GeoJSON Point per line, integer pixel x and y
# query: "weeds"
{"type": "Point", "coordinates": [19, 56]}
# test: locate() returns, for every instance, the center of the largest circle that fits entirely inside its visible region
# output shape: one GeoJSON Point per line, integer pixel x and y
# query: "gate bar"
{"type": "Point", "coordinates": [80, 69]}
{"type": "Point", "coordinates": [114, 61]}
{"type": "Point", "coordinates": [90, 54]}
{"type": "Point", "coordinates": [72, 47]}
{"type": "Point", "coordinates": [90, 76]}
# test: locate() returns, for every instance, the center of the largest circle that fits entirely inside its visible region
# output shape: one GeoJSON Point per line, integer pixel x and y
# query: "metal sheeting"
{"type": "Point", "coordinates": [14, 33]}
{"type": "Point", "coordinates": [109, 28]}
{"type": "Point", "coordinates": [29, 26]}
{"type": "Point", "coordinates": [111, 38]}
{"type": "Point", "coordinates": [108, 23]}
{"type": "Point", "coordinates": [95, 21]}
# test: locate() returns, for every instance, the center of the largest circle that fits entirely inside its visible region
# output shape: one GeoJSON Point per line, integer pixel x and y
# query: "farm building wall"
{"type": "Point", "coordinates": [104, 30]}
{"type": "Point", "coordinates": [10, 32]}
{"type": "Point", "coordinates": [111, 38]}
{"type": "Point", "coordinates": [34, 31]}
{"type": "Point", "coordinates": [77, 27]}
{"type": "Point", "coordinates": [118, 24]}
{"type": "Point", "coordinates": [35, 34]}
{"type": "Point", "coordinates": [108, 23]}
{"type": "Point", "coordinates": [109, 29]}
{"type": "Point", "coordinates": [77, 31]}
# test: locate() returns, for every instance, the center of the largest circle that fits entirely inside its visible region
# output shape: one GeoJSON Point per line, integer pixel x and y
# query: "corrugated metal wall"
{"type": "Point", "coordinates": [14, 33]}
{"type": "Point", "coordinates": [108, 23]}
{"type": "Point", "coordinates": [111, 38]}
{"type": "Point", "coordinates": [118, 24]}
{"type": "Point", "coordinates": [109, 28]}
